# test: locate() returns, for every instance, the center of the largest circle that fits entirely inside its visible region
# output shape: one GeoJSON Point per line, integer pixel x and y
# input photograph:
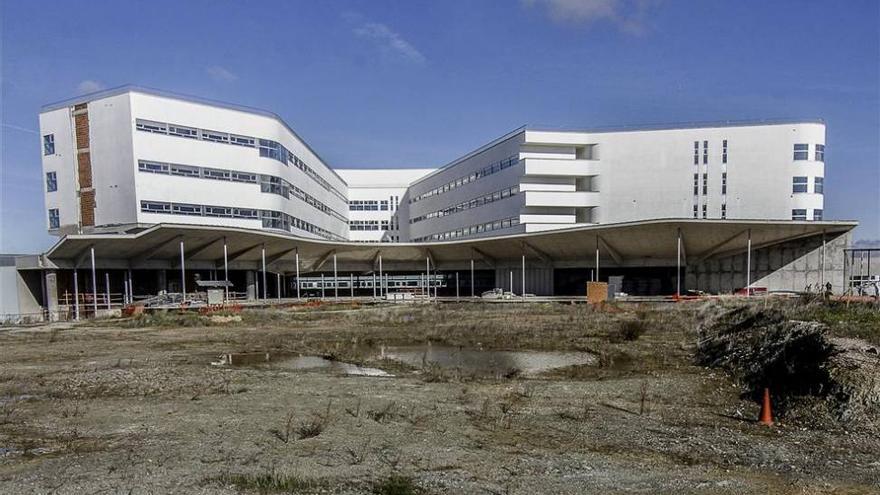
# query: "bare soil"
{"type": "Point", "coordinates": [134, 406]}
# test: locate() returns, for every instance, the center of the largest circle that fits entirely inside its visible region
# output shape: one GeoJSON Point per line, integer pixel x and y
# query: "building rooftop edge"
{"type": "Point", "coordinates": [132, 88]}
{"type": "Point", "coordinates": [670, 126]}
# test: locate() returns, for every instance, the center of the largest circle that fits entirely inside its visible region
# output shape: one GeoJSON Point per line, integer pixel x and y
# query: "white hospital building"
{"type": "Point", "coordinates": [157, 168]}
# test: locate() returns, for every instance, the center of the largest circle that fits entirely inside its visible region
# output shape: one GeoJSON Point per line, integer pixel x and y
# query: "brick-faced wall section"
{"type": "Point", "coordinates": [84, 168]}
{"type": "Point", "coordinates": [81, 121]}
{"type": "Point", "coordinates": [84, 165]}
{"type": "Point", "coordinates": [87, 207]}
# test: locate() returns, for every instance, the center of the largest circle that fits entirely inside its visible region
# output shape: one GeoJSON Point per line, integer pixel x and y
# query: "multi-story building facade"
{"type": "Point", "coordinates": [374, 202]}
{"type": "Point", "coordinates": [131, 157]}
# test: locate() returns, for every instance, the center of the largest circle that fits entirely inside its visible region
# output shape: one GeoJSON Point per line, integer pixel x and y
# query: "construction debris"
{"type": "Point", "coordinates": [801, 365]}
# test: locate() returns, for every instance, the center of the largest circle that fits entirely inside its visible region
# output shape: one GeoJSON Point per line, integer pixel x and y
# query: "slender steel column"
{"type": "Point", "coordinates": [76, 294]}
{"type": "Point", "coordinates": [428, 276]}
{"type": "Point", "coordinates": [182, 273]}
{"type": "Point", "coordinates": [322, 286]}
{"type": "Point", "coordinates": [107, 287]}
{"type": "Point", "coordinates": [374, 285]}
{"type": "Point", "coordinates": [297, 273]}
{"type": "Point", "coordinates": [94, 285]}
{"type": "Point", "coordinates": [335, 280]}
{"type": "Point", "coordinates": [678, 267]}
{"type": "Point", "coordinates": [822, 283]}
{"type": "Point", "coordinates": [524, 278]}
{"type": "Point", "coordinates": [511, 281]}
{"type": "Point", "coordinates": [472, 278]}
{"type": "Point", "coordinates": [226, 268]}
{"type": "Point", "coordinates": [597, 259]}
{"type": "Point", "coordinates": [749, 265]}
{"type": "Point", "coordinates": [351, 284]}
{"type": "Point", "coordinates": [381, 280]}
{"type": "Point", "coordinates": [130, 287]}
{"type": "Point", "coordinates": [456, 286]}
{"type": "Point", "coordinates": [278, 285]}
{"type": "Point", "coordinates": [265, 286]}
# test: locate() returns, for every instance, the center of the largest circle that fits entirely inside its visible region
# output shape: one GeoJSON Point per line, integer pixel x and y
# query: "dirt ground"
{"type": "Point", "coordinates": [134, 406]}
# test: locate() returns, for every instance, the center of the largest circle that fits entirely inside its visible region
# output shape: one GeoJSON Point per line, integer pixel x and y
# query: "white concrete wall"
{"type": "Point", "coordinates": [380, 185]}
{"type": "Point", "coordinates": [561, 178]}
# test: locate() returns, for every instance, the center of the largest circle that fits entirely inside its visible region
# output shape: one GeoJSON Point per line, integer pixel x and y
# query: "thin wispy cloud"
{"type": "Point", "coordinates": [89, 86]}
{"type": "Point", "coordinates": [389, 41]}
{"type": "Point", "coordinates": [629, 16]}
{"type": "Point", "coordinates": [221, 74]}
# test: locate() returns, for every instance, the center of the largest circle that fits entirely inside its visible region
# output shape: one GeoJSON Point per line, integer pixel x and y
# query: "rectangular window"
{"type": "Point", "coordinates": [54, 218]}
{"type": "Point", "coordinates": [184, 171]}
{"type": "Point", "coordinates": [49, 144]}
{"type": "Point", "coordinates": [218, 211]}
{"type": "Point", "coordinates": [695, 211]}
{"type": "Point", "coordinates": [244, 213]}
{"type": "Point", "coordinates": [820, 152]}
{"type": "Point", "coordinates": [705, 152]}
{"type": "Point", "coordinates": [705, 184]}
{"type": "Point", "coordinates": [51, 182]}
{"type": "Point", "coordinates": [799, 214]}
{"type": "Point", "coordinates": [819, 185]}
{"type": "Point", "coordinates": [217, 137]}
{"type": "Point", "coordinates": [187, 132]}
{"type": "Point", "coordinates": [802, 151]}
{"type": "Point", "coordinates": [155, 207]}
{"type": "Point", "coordinates": [817, 214]}
{"type": "Point", "coordinates": [211, 173]}
{"type": "Point", "coordinates": [383, 205]}
{"type": "Point", "coordinates": [269, 149]}
{"type": "Point", "coordinates": [150, 126]}
{"type": "Point", "coordinates": [243, 177]}
{"type": "Point", "coordinates": [799, 185]}
{"type": "Point", "coordinates": [723, 183]}
{"type": "Point", "coordinates": [241, 140]}
{"type": "Point", "coordinates": [696, 184]}
{"type": "Point", "coordinates": [724, 151]}
{"type": "Point", "coordinates": [723, 211]}
{"type": "Point", "coordinates": [153, 167]}
{"type": "Point", "coordinates": [705, 210]}
{"type": "Point", "coordinates": [186, 209]}
{"type": "Point", "coordinates": [696, 152]}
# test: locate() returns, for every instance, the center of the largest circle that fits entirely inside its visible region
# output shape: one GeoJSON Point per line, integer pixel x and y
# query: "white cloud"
{"type": "Point", "coordinates": [389, 41]}
{"type": "Point", "coordinates": [221, 74]}
{"type": "Point", "coordinates": [628, 15]}
{"type": "Point", "coordinates": [89, 86]}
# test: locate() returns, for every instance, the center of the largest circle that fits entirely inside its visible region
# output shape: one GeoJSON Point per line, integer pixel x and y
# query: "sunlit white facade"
{"type": "Point", "coordinates": [130, 157]}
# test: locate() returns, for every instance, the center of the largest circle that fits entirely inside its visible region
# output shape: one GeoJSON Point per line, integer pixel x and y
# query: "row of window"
{"type": "Point", "coordinates": [706, 152]}
{"type": "Point", "coordinates": [267, 148]}
{"type": "Point", "coordinates": [368, 205]}
{"type": "Point", "coordinates": [466, 205]}
{"type": "Point", "coordinates": [479, 174]}
{"type": "Point", "coordinates": [801, 185]}
{"type": "Point", "coordinates": [705, 186]}
{"type": "Point", "coordinates": [706, 211]}
{"type": "Point", "coordinates": [802, 152]}
{"type": "Point", "coordinates": [801, 214]}
{"type": "Point", "coordinates": [271, 219]}
{"type": "Point", "coordinates": [368, 225]}
{"type": "Point", "coordinates": [470, 230]}
{"type": "Point", "coordinates": [268, 183]}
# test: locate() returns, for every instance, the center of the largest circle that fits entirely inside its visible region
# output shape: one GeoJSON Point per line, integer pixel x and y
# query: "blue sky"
{"type": "Point", "coordinates": [417, 83]}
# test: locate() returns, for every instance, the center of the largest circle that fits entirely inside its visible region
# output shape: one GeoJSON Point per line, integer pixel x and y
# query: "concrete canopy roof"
{"type": "Point", "coordinates": [637, 243]}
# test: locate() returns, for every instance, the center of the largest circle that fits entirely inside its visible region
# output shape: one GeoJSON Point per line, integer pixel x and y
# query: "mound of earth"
{"type": "Point", "coordinates": [797, 360]}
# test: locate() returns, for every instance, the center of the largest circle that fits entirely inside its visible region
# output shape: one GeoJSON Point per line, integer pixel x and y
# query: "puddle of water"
{"type": "Point", "coordinates": [317, 362]}
{"type": "Point", "coordinates": [296, 363]}
{"type": "Point", "coordinates": [486, 361]}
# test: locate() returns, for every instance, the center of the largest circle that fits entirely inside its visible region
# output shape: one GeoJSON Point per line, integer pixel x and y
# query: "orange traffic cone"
{"type": "Point", "coordinates": [766, 416]}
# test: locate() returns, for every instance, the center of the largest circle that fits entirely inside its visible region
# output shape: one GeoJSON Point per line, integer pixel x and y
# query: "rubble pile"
{"type": "Point", "coordinates": [797, 360]}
